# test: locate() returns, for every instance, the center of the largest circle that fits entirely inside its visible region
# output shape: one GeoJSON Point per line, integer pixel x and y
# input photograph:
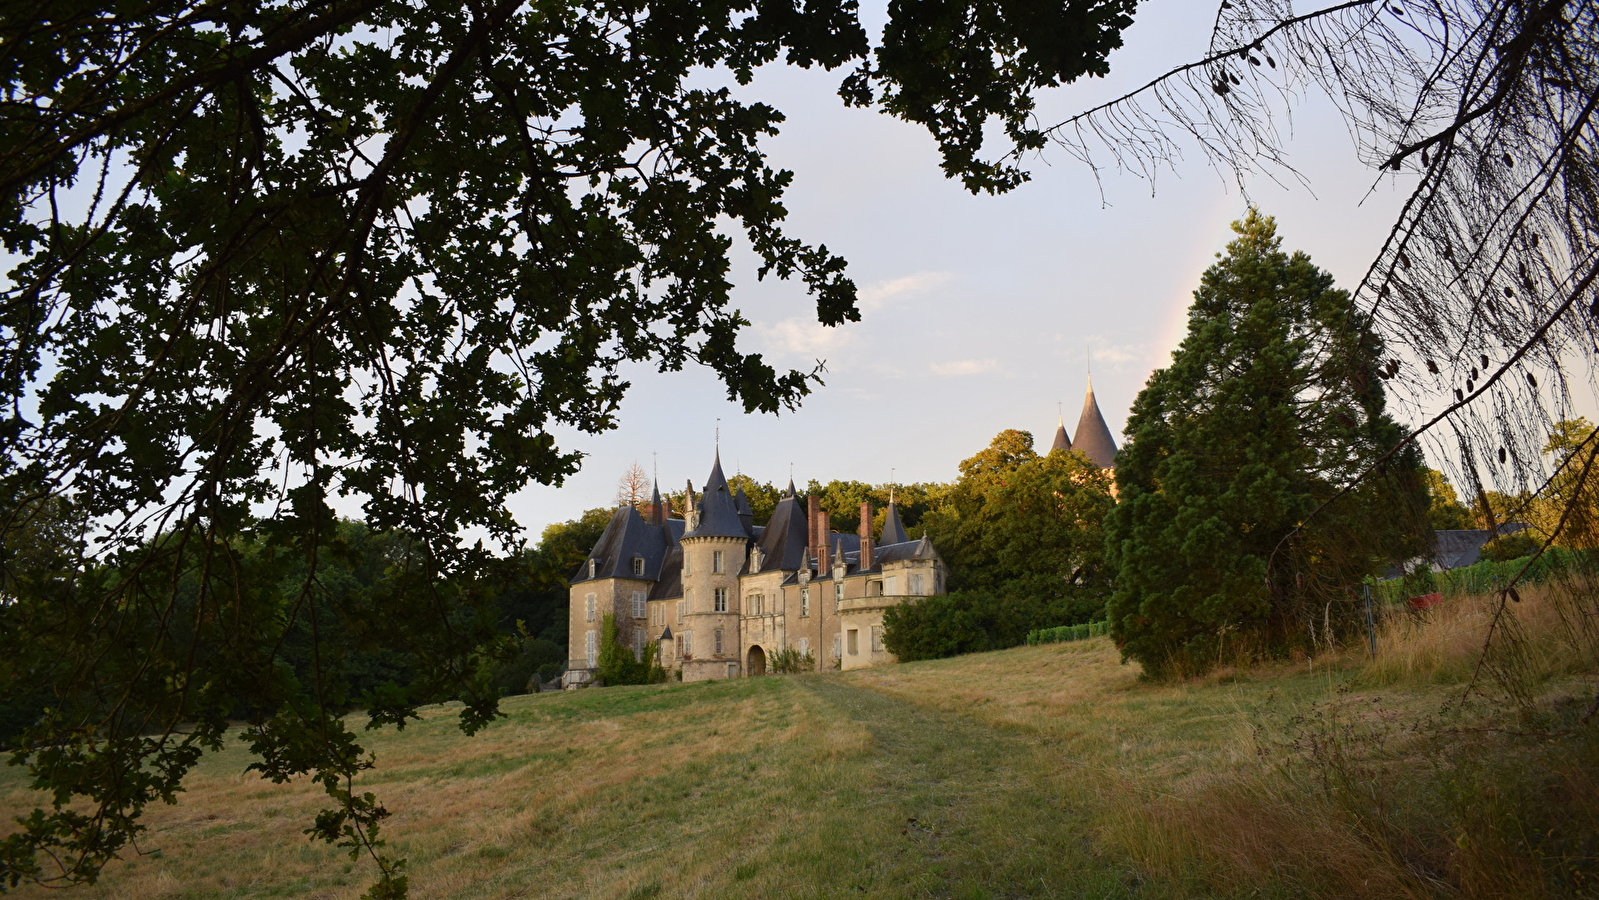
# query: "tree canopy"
{"type": "Point", "coordinates": [270, 260]}
{"type": "Point", "coordinates": [1272, 404]}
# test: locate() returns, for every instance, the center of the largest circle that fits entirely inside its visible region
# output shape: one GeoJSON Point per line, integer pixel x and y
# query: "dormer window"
{"type": "Point", "coordinates": [638, 565]}
{"type": "Point", "coordinates": [594, 566]}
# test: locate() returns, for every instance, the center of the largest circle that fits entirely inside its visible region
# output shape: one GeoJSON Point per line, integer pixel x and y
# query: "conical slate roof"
{"type": "Point", "coordinates": [1093, 435]}
{"type": "Point", "coordinates": [1062, 442]}
{"type": "Point", "coordinates": [783, 542]}
{"type": "Point", "coordinates": [893, 530]}
{"type": "Point", "coordinates": [718, 510]}
{"type": "Point", "coordinates": [746, 515]}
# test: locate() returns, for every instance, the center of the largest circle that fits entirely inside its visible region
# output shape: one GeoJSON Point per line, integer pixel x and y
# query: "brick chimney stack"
{"type": "Point", "coordinates": [866, 535]}
{"type": "Point", "coordinates": [819, 531]}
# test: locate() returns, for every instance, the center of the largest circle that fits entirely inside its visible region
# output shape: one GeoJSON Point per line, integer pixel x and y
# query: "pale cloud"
{"type": "Point", "coordinates": [804, 337]}
{"type": "Point", "coordinates": [879, 293]}
{"type": "Point", "coordinates": [964, 366]}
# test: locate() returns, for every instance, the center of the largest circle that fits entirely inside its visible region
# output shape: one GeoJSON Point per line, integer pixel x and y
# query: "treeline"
{"type": "Point", "coordinates": [336, 632]}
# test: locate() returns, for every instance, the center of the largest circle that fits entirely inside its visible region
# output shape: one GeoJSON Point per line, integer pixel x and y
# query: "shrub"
{"type": "Point", "coordinates": [975, 621]}
{"type": "Point", "coordinates": [618, 665]}
{"type": "Point", "coordinates": [538, 656]}
{"type": "Point", "coordinates": [788, 661]}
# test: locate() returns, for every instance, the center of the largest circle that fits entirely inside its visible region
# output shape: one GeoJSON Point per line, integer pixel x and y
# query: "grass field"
{"type": "Point", "coordinates": [1048, 771]}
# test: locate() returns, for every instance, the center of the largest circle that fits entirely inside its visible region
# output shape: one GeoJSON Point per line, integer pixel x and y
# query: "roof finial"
{"type": "Point", "coordinates": [1090, 369]}
{"type": "Point", "coordinates": [891, 471]}
{"type": "Point", "coordinates": [655, 465]}
{"type": "Point", "coordinates": [1060, 413]}
{"type": "Point", "coordinates": [718, 436]}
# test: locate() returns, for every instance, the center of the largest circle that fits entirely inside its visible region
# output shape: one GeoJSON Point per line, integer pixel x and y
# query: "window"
{"type": "Point", "coordinates": [638, 565]}
{"type": "Point", "coordinates": [877, 639]}
{"type": "Point", "coordinates": [805, 601]}
{"type": "Point", "coordinates": [838, 595]}
{"type": "Point", "coordinates": [688, 645]}
{"type": "Point", "coordinates": [854, 642]}
{"type": "Point", "coordinates": [720, 599]}
{"type": "Point", "coordinates": [590, 608]}
{"type": "Point", "coordinates": [716, 642]}
{"type": "Point", "coordinates": [679, 644]}
{"type": "Point", "coordinates": [716, 562]}
{"type": "Point", "coordinates": [805, 646]}
{"type": "Point", "coordinates": [835, 646]}
{"type": "Point", "coordinates": [679, 612]}
{"type": "Point", "coordinates": [685, 564]}
{"type": "Point", "coordinates": [638, 604]}
{"type": "Point", "coordinates": [588, 646]}
{"type": "Point", "coordinates": [916, 583]}
{"type": "Point", "coordinates": [594, 565]}
{"type": "Point", "coordinates": [891, 585]}
{"type": "Point", "coordinates": [688, 601]}
{"type": "Point", "coordinates": [756, 604]}
{"type": "Point", "coordinates": [638, 644]}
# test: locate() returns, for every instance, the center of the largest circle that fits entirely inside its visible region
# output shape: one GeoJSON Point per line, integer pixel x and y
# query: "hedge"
{"type": "Point", "coordinates": [1062, 633]}
{"type": "Point", "coordinates": [1486, 576]}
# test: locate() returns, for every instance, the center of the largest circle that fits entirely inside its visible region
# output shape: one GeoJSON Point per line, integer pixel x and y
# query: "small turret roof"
{"type": "Point", "coordinates": [1062, 442]}
{"type": "Point", "coordinates": [893, 529]}
{"type": "Point", "coordinates": [1093, 435]}
{"type": "Point", "coordinates": [718, 509]}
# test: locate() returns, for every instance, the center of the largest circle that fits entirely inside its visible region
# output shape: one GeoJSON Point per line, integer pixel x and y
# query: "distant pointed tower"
{"type": "Point", "coordinates": [714, 551]}
{"type": "Point", "coordinates": [1093, 435]}
{"type": "Point", "coordinates": [1062, 442]}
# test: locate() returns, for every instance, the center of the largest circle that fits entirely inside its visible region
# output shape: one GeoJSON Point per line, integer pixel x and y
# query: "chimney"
{"type": "Point", "coordinates": [666, 509]}
{"type": "Point", "coordinates": [866, 535]}
{"type": "Point", "coordinates": [819, 532]}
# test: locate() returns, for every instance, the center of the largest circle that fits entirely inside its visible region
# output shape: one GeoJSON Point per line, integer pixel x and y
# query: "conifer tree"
{"type": "Point", "coordinates": [1272, 403]}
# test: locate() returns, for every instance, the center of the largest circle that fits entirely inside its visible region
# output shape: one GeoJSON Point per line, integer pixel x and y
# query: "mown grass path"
{"type": "Point", "coordinates": [979, 810]}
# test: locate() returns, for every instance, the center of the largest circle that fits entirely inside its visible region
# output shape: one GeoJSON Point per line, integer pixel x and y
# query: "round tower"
{"type": "Point", "coordinates": [713, 557]}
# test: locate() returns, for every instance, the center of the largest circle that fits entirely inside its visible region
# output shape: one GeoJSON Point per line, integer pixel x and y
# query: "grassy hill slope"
{"type": "Point", "coordinates": [1046, 771]}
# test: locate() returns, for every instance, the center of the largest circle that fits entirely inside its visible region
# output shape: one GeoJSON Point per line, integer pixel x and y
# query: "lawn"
{"type": "Point", "coordinates": [1047, 771]}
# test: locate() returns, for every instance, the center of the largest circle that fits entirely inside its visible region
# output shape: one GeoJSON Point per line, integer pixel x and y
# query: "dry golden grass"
{"type": "Point", "coordinates": [1039, 771]}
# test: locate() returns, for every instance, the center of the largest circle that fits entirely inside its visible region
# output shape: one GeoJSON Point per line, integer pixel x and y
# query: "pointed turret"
{"type": "Point", "coordinates": [893, 529]}
{"type": "Point", "coordinates": [1062, 442]}
{"type": "Point", "coordinates": [718, 511]}
{"type": "Point", "coordinates": [657, 514]}
{"type": "Point", "coordinates": [741, 503]}
{"type": "Point", "coordinates": [1093, 435]}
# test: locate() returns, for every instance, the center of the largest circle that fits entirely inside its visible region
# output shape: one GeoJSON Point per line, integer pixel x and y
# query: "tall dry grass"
{"type": "Point", "coordinates": [1551, 632]}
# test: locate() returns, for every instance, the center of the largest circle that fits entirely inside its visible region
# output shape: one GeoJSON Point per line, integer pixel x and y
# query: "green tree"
{"type": "Point", "coordinates": [1019, 521]}
{"type": "Point", "coordinates": [1023, 536]}
{"type": "Point", "coordinates": [1445, 512]}
{"type": "Point", "coordinates": [1272, 403]}
{"type": "Point", "coordinates": [263, 255]}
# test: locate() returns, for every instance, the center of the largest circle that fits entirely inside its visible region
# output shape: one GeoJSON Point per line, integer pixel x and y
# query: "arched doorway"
{"type": "Point", "coordinates": [757, 661]}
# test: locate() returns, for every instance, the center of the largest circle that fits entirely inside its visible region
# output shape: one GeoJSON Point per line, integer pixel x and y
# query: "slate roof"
{"type": "Point", "coordinates": [626, 536]}
{"type": "Point", "coordinates": [741, 503]}
{"type": "Point", "coordinates": [717, 508]}
{"type": "Point", "coordinates": [1062, 442]}
{"type": "Point", "coordinates": [783, 540]}
{"type": "Point", "coordinates": [920, 548]}
{"type": "Point", "coordinates": [893, 529]}
{"type": "Point", "coordinates": [1455, 548]}
{"type": "Point", "coordinates": [1093, 435]}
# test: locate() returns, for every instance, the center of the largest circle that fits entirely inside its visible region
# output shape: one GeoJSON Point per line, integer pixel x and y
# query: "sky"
{"type": "Point", "coordinates": [978, 313]}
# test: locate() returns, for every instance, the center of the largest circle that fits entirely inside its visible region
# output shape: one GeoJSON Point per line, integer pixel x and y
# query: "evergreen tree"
{"type": "Point", "coordinates": [1272, 403]}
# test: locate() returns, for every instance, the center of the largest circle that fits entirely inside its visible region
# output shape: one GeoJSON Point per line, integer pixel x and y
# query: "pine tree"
{"type": "Point", "coordinates": [1271, 404]}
